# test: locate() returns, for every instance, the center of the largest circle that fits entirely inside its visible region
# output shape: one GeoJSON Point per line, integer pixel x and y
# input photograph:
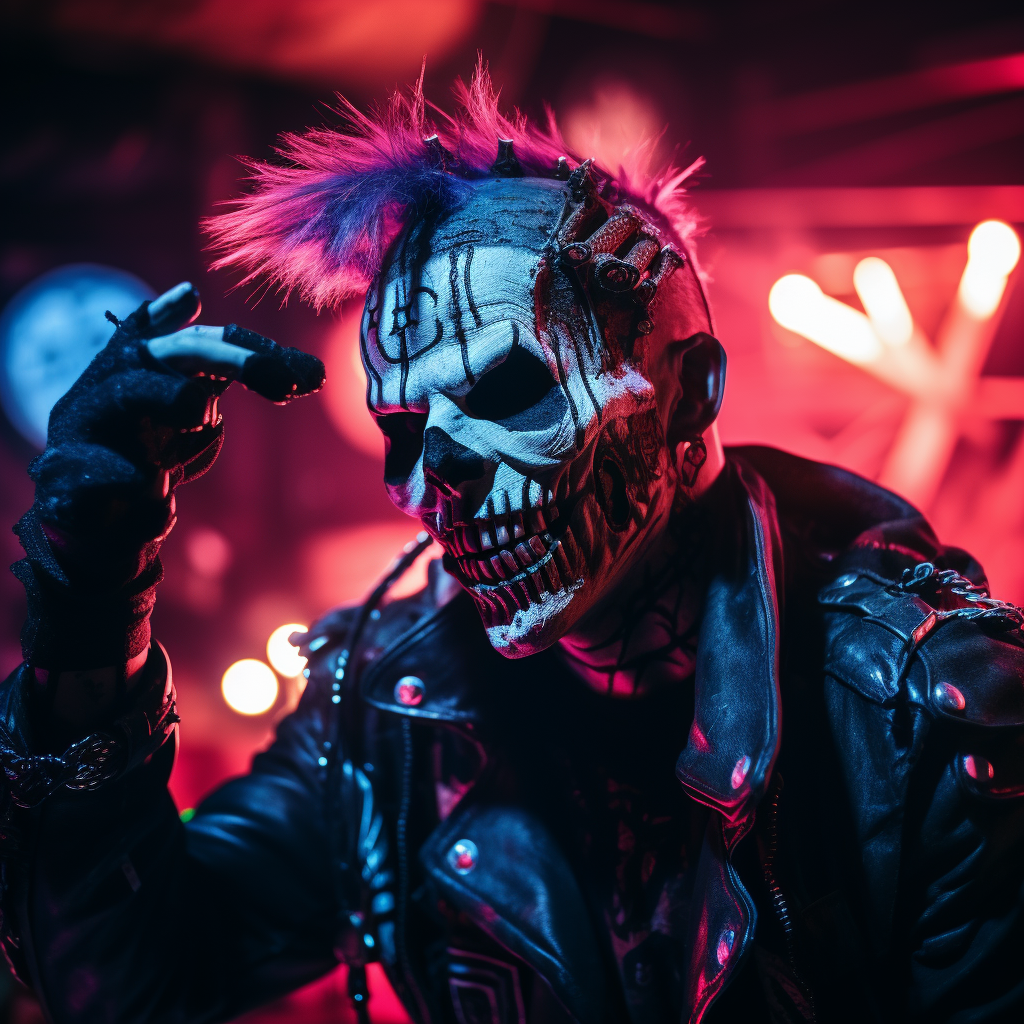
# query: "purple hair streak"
{"type": "Point", "coordinates": [320, 220]}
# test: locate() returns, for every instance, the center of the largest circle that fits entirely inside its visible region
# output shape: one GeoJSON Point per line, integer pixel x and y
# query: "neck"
{"type": "Point", "coordinates": [643, 635]}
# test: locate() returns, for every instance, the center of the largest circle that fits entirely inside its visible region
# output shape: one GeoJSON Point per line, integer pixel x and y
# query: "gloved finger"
{"type": "Point", "coordinates": [176, 308]}
{"type": "Point", "coordinates": [126, 348]}
{"type": "Point", "coordinates": [199, 352]}
{"type": "Point", "coordinates": [223, 354]}
{"type": "Point", "coordinates": [273, 371]}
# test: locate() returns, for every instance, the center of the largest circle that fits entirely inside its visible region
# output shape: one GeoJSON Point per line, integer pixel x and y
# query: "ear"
{"type": "Point", "coordinates": [698, 363]}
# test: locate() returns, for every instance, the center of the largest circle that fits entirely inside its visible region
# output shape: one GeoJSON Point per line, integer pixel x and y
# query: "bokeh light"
{"type": "Point", "coordinates": [344, 395]}
{"type": "Point", "coordinates": [285, 658]}
{"type": "Point", "coordinates": [614, 124]}
{"type": "Point", "coordinates": [49, 333]}
{"type": "Point", "coordinates": [798, 304]}
{"type": "Point", "coordinates": [883, 301]}
{"type": "Point", "coordinates": [208, 551]}
{"type": "Point", "coordinates": [993, 250]}
{"type": "Point", "coordinates": [249, 687]}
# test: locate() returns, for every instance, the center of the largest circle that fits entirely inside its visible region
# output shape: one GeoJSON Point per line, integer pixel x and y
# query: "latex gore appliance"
{"type": "Point", "coordinates": [531, 325]}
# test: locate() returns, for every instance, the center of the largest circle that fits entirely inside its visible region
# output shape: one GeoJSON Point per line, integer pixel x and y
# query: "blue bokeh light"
{"type": "Point", "coordinates": [49, 333]}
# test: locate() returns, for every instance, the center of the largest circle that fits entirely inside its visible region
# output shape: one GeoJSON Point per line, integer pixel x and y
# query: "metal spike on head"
{"type": "Point", "coordinates": [441, 159]}
{"type": "Point", "coordinates": [562, 171]}
{"type": "Point", "coordinates": [507, 165]}
{"type": "Point", "coordinates": [581, 182]}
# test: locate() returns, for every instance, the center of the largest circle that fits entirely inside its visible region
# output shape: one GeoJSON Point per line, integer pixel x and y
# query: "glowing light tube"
{"type": "Point", "coordinates": [992, 252]}
{"type": "Point", "coordinates": [883, 300]}
{"type": "Point", "coordinates": [798, 304]}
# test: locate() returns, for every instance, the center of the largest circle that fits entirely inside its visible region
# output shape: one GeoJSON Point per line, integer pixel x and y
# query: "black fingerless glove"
{"type": "Point", "coordinates": [128, 432]}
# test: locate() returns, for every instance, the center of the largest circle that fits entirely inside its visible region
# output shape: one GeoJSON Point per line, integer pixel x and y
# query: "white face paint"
{"type": "Point", "coordinates": [534, 457]}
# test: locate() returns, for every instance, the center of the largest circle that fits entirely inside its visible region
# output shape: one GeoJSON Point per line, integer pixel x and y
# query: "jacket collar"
{"type": "Point", "coordinates": [449, 670]}
{"type": "Point", "coordinates": [463, 681]}
{"type": "Point", "coordinates": [456, 676]}
{"type": "Point", "coordinates": [444, 669]}
{"type": "Point", "coordinates": [734, 736]}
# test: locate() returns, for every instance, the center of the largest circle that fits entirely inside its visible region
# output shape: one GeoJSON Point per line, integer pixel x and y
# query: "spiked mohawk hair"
{"type": "Point", "coordinates": [321, 220]}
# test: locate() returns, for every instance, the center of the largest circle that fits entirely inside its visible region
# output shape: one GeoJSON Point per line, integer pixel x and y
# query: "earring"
{"type": "Point", "coordinates": [695, 456]}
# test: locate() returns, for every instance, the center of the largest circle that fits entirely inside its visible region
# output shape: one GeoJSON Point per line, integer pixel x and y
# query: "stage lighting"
{"type": "Point", "coordinates": [883, 301]}
{"type": "Point", "coordinates": [49, 333]}
{"type": "Point", "coordinates": [992, 252]}
{"type": "Point", "coordinates": [798, 304]}
{"type": "Point", "coordinates": [249, 687]}
{"type": "Point", "coordinates": [281, 654]}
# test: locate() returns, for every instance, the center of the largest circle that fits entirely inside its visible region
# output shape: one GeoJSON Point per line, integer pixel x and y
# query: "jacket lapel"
{"type": "Point", "coordinates": [521, 891]}
{"type": "Point", "coordinates": [460, 676]}
{"type": "Point", "coordinates": [734, 737]}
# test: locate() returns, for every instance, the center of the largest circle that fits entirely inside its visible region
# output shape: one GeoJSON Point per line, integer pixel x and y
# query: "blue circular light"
{"type": "Point", "coordinates": [49, 333]}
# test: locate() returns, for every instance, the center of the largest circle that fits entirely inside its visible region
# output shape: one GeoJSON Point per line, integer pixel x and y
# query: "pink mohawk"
{"type": "Point", "coordinates": [321, 221]}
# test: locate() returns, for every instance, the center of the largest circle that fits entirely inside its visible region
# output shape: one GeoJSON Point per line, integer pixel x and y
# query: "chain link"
{"type": "Point", "coordinates": [979, 604]}
{"type": "Point", "coordinates": [86, 765]}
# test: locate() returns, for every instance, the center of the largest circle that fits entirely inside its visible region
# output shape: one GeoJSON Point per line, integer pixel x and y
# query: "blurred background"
{"type": "Point", "coordinates": [862, 196]}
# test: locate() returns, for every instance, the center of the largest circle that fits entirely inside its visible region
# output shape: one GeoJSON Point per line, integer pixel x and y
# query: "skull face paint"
{"type": "Point", "coordinates": [521, 425]}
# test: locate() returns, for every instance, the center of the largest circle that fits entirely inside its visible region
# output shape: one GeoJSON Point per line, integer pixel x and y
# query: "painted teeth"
{"type": "Point", "coordinates": [537, 565]}
{"type": "Point", "coordinates": [510, 560]}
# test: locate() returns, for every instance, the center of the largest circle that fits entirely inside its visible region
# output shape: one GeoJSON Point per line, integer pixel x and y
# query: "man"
{"type": "Point", "coordinates": [674, 733]}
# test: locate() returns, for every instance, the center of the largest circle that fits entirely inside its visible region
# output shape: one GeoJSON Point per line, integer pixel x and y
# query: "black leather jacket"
{"type": "Point", "coordinates": [851, 757]}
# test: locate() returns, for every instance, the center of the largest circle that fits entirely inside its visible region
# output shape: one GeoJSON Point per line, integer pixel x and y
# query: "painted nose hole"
{"type": "Point", "coordinates": [448, 462]}
{"type": "Point", "coordinates": [612, 490]}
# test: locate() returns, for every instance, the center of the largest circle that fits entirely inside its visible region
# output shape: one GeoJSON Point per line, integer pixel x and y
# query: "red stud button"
{"type": "Point", "coordinates": [463, 856]}
{"type": "Point", "coordinates": [739, 772]}
{"type": "Point", "coordinates": [409, 691]}
{"type": "Point", "coordinates": [949, 697]}
{"type": "Point", "coordinates": [978, 768]}
{"type": "Point", "coordinates": [725, 944]}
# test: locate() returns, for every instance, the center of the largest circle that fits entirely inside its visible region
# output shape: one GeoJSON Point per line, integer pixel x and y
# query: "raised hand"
{"type": "Point", "coordinates": [142, 419]}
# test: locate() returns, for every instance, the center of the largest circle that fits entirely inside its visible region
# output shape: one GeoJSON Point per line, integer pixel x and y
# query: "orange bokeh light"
{"type": "Point", "coordinates": [249, 687]}
{"type": "Point", "coordinates": [344, 394]}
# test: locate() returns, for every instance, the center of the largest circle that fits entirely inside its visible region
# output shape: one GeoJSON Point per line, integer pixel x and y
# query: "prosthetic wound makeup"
{"type": "Point", "coordinates": [537, 355]}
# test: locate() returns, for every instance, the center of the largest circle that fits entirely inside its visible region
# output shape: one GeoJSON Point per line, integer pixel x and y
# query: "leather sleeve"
{"type": "Point", "coordinates": [927, 706]}
{"type": "Point", "coordinates": [118, 912]}
{"type": "Point", "coordinates": [964, 870]}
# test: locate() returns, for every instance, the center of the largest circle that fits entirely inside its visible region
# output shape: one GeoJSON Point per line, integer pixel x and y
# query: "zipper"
{"type": "Point", "coordinates": [347, 731]}
{"type": "Point", "coordinates": [778, 897]}
{"type": "Point", "coordinates": [401, 835]}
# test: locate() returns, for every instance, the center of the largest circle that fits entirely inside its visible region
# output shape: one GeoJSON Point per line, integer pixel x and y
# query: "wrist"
{"type": "Point", "coordinates": [81, 621]}
{"type": "Point", "coordinates": [80, 699]}
{"type": "Point", "coordinates": [40, 758]}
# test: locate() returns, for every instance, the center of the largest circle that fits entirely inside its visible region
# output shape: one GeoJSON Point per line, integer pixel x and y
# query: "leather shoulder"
{"type": "Point", "coordinates": [934, 637]}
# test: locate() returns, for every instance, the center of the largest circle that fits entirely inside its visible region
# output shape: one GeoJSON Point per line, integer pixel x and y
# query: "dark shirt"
{"type": "Point", "coordinates": [638, 832]}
